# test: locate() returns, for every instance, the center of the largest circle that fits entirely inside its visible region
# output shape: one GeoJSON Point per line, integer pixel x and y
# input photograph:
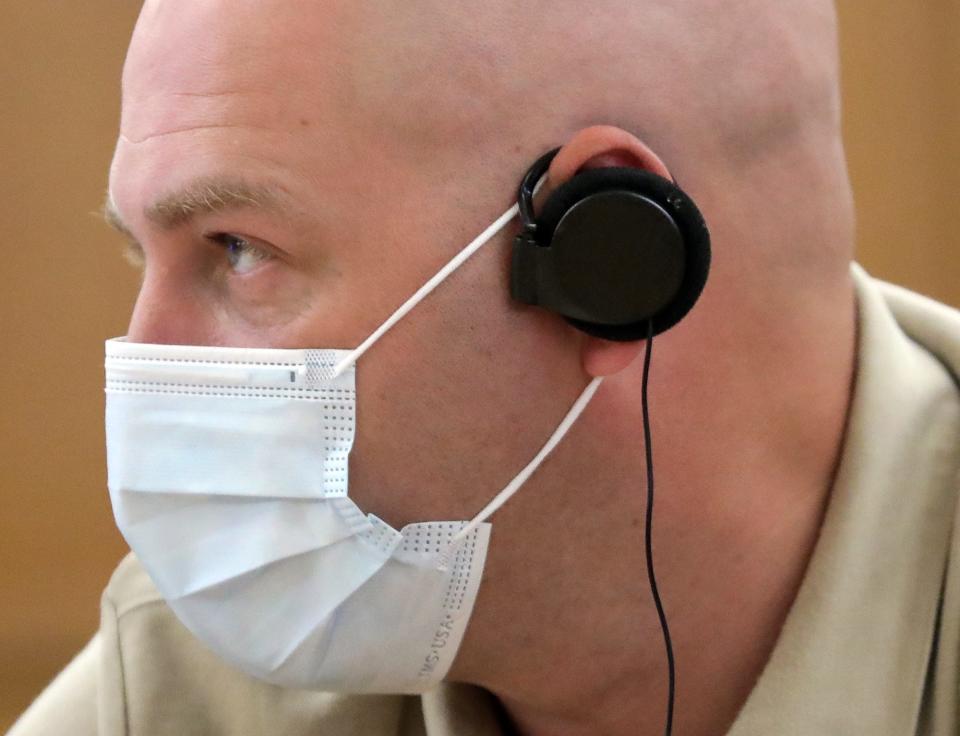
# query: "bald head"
{"type": "Point", "coordinates": [701, 72]}
{"type": "Point", "coordinates": [449, 102]}
{"type": "Point", "coordinates": [387, 134]}
{"type": "Point", "coordinates": [695, 78]}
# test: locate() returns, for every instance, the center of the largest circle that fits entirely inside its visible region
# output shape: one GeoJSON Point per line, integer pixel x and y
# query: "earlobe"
{"type": "Point", "coordinates": [605, 357]}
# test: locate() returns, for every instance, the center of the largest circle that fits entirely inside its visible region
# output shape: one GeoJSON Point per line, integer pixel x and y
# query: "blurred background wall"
{"type": "Point", "coordinates": [65, 287]}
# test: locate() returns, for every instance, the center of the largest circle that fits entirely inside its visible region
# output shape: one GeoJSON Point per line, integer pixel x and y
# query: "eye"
{"type": "Point", "coordinates": [242, 255]}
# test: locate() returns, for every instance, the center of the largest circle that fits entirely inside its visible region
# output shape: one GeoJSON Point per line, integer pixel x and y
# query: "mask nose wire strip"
{"type": "Point", "coordinates": [421, 293]}
{"type": "Point", "coordinates": [501, 498]}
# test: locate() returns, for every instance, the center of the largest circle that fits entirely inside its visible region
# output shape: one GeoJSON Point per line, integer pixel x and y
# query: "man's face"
{"type": "Point", "coordinates": [276, 205]}
{"type": "Point", "coordinates": [218, 107]}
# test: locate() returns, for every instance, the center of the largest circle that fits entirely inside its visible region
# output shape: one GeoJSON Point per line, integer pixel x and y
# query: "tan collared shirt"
{"type": "Point", "coordinates": [870, 646]}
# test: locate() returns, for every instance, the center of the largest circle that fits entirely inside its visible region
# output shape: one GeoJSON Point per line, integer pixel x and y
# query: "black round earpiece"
{"type": "Point", "coordinates": [611, 249]}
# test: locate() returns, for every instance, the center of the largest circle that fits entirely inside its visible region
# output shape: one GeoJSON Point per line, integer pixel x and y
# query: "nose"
{"type": "Point", "coordinates": [166, 312]}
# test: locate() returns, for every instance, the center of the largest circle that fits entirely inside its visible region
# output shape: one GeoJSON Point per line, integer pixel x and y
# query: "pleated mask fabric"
{"type": "Point", "coordinates": [227, 470]}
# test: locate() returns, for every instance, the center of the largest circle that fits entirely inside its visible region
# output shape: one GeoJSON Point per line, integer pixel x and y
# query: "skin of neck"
{"type": "Point", "coordinates": [748, 395]}
{"type": "Point", "coordinates": [749, 403]}
{"type": "Point", "coordinates": [748, 409]}
{"type": "Point", "coordinates": [745, 450]}
{"type": "Point", "coordinates": [748, 406]}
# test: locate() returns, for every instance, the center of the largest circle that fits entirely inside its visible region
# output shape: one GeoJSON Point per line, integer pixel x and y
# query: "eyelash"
{"type": "Point", "coordinates": [236, 247]}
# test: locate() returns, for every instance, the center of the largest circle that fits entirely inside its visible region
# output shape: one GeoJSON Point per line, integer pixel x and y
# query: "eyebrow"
{"type": "Point", "coordinates": [200, 197]}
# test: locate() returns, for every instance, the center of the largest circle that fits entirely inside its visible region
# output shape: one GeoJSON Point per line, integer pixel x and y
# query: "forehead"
{"type": "Point", "coordinates": [246, 89]}
{"type": "Point", "coordinates": [401, 69]}
{"type": "Point", "coordinates": [203, 63]}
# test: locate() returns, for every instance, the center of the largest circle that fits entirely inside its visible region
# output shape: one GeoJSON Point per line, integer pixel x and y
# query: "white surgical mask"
{"type": "Point", "coordinates": [227, 470]}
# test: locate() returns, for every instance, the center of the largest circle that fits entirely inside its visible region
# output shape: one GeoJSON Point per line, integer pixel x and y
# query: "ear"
{"type": "Point", "coordinates": [596, 147]}
{"type": "Point", "coordinates": [599, 146]}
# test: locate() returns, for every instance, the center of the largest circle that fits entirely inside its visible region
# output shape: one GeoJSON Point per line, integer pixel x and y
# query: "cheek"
{"type": "Point", "coordinates": [271, 302]}
{"type": "Point", "coordinates": [454, 402]}
{"type": "Point", "coordinates": [431, 433]}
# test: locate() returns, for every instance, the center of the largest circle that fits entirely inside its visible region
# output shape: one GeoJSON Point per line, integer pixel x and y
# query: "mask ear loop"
{"type": "Point", "coordinates": [421, 293]}
{"type": "Point", "coordinates": [513, 486]}
{"type": "Point", "coordinates": [438, 278]}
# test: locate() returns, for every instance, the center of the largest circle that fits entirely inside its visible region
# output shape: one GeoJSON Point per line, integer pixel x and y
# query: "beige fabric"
{"type": "Point", "coordinates": [854, 656]}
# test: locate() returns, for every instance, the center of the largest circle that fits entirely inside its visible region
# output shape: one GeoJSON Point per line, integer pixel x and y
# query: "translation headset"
{"type": "Point", "coordinates": [622, 254]}
{"type": "Point", "coordinates": [618, 252]}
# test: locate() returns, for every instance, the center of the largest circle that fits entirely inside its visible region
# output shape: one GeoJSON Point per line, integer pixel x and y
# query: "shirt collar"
{"type": "Point", "coordinates": [853, 653]}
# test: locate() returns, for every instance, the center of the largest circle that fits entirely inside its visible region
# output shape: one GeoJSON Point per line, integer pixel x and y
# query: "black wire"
{"type": "Point", "coordinates": [671, 669]}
